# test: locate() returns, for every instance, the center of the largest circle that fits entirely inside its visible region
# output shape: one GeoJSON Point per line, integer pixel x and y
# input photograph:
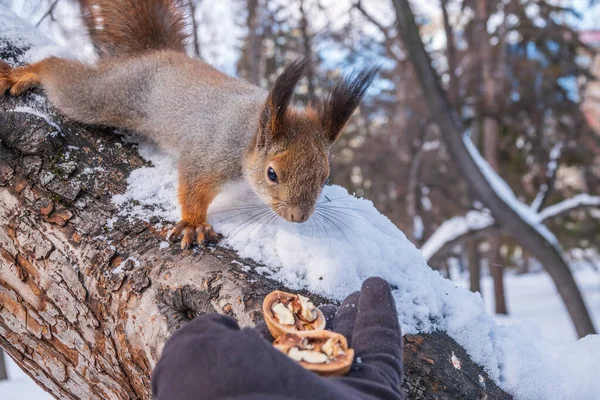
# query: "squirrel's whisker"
{"type": "Point", "coordinates": [328, 200]}
{"type": "Point", "coordinates": [343, 208]}
{"type": "Point", "coordinates": [237, 208]}
{"type": "Point", "coordinates": [238, 214]}
{"type": "Point", "coordinates": [247, 222]}
{"type": "Point", "coordinates": [332, 222]}
{"type": "Point", "coordinates": [339, 212]}
{"type": "Point", "coordinates": [266, 225]}
{"type": "Point", "coordinates": [332, 219]}
{"type": "Point", "coordinates": [338, 219]}
{"type": "Point", "coordinates": [319, 218]}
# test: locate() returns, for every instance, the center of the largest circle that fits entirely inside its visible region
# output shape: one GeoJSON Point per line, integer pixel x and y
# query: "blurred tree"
{"type": "Point", "coordinates": [192, 7]}
{"type": "Point", "coordinates": [3, 373]}
{"type": "Point", "coordinates": [490, 189]}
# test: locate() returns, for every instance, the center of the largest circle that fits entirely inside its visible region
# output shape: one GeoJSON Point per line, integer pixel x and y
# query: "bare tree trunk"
{"type": "Point", "coordinates": [495, 261]}
{"type": "Point", "coordinates": [450, 54]}
{"type": "Point", "coordinates": [254, 47]}
{"type": "Point", "coordinates": [549, 254]}
{"type": "Point", "coordinates": [490, 139]}
{"type": "Point", "coordinates": [85, 310]}
{"type": "Point", "coordinates": [474, 266]}
{"type": "Point", "coordinates": [308, 53]}
{"type": "Point", "coordinates": [3, 372]}
{"type": "Point", "coordinates": [192, 5]}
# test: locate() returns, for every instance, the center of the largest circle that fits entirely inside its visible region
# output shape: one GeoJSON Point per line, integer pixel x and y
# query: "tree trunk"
{"type": "Point", "coordinates": [495, 262]}
{"type": "Point", "coordinates": [549, 254]}
{"type": "Point", "coordinates": [474, 266]}
{"type": "Point", "coordinates": [85, 309]}
{"type": "Point", "coordinates": [192, 6]}
{"type": "Point", "coordinates": [3, 372]}
{"type": "Point", "coordinates": [254, 42]}
{"type": "Point", "coordinates": [307, 49]}
{"type": "Point", "coordinates": [450, 54]}
{"type": "Point", "coordinates": [490, 140]}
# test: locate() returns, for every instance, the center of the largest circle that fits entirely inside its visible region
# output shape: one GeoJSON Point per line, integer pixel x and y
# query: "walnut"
{"type": "Point", "coordinates": [287, 312]}
{"type": "Point", "coordinates": [323, 352]}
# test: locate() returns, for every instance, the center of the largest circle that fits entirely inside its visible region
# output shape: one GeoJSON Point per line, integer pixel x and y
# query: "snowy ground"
{"type": "Point", "coordinates": [532, 299]}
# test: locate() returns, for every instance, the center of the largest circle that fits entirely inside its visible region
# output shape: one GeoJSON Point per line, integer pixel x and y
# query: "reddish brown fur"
{"type": "Point", "coordinates": [195, 195]}
{"type": "Point", "coordinates": [130, 27]}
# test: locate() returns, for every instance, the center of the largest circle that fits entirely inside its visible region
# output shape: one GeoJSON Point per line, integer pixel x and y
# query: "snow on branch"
{"type": "Point", "coordinates": [503, 190]}
{"type": "Point", "coordinates": [578, 201]}
{"type": "Point", "coordinates": [454, 229]}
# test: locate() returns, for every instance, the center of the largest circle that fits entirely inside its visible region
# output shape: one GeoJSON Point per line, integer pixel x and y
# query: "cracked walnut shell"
{"type": "Point", "coordinates": [323, 352]}
{"type": "Point", "coordinates": [287, 312]}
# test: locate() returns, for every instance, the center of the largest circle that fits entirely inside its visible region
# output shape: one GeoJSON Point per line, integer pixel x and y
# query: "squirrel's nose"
{"type": "Point", "coordinates": [298, 215]}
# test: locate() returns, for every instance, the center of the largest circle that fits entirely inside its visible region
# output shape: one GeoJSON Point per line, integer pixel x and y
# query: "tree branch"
{"type": "Point", "coordinates": [48, 13]}
{"type": "Point", "coordinates": [456, 230]}
{"type": "Point", "coordinates": [546, 189]}
{"type": "Point", "coordinates": [583, 200]}
{"type": "Point", "coordinates": [386, 31]}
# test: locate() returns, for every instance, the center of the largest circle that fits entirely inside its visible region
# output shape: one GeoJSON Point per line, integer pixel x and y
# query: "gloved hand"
{"type": "Point", "coordinates": [212, 358]}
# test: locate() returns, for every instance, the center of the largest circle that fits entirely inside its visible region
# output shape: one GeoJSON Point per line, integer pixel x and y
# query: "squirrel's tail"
{"type": "Point", "coordinates": [127, 27]}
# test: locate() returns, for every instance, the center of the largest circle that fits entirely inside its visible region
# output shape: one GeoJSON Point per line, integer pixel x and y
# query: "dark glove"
{"type": "Point", "coordinates": [212, 358]}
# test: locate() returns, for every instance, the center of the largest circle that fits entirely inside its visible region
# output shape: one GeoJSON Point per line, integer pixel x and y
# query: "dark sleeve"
{"type": "Point", "coordinates": [211, 358]}
{"type": "Point", "coordinates": [181, 370]}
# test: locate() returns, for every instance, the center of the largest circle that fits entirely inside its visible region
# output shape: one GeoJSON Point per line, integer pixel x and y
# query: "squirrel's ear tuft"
{"type": "Point", "coordinates": [345, 96]}
{"type": "Point", "coordinates": [281, 93]}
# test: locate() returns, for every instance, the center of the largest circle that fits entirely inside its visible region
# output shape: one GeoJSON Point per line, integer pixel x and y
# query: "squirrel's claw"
{"type": "Point", "coordinates": [203, 233]}
{"type": "Point", "coordinates": [206, 234]}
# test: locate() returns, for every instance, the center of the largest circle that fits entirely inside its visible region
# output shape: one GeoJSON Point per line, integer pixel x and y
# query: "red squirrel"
{"type": "Point", "coordinates": [220, 128]}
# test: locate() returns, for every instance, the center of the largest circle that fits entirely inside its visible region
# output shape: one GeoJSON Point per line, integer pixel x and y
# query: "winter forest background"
{"type": "Point", "coordinates": [519, 73]}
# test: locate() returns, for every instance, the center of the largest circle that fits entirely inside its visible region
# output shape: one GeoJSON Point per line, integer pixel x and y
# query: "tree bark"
{"type": "Point", "coordinates": [85, 309]}
{"type": "Point", "coordinates": [549, 254]}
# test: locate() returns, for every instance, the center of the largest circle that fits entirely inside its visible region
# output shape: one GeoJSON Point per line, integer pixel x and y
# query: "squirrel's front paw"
{"type": "Point", "coordinates": [4, 79]}
{"type": "Point", "coordinates": [202, 233]}
{"type": "Point", "coordinates": [19, 79]}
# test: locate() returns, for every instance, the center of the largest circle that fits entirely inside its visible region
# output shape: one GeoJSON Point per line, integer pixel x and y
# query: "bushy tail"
{"type": "Point", "coordinates": [127, 27]}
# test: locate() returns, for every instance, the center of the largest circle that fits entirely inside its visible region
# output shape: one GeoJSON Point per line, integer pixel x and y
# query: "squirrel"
{"type": "Point", "coordinates": [220, 128]}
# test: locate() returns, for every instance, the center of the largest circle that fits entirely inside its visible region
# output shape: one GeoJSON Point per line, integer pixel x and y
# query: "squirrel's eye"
{"type": "Point", "coordinates": [272, 175]}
